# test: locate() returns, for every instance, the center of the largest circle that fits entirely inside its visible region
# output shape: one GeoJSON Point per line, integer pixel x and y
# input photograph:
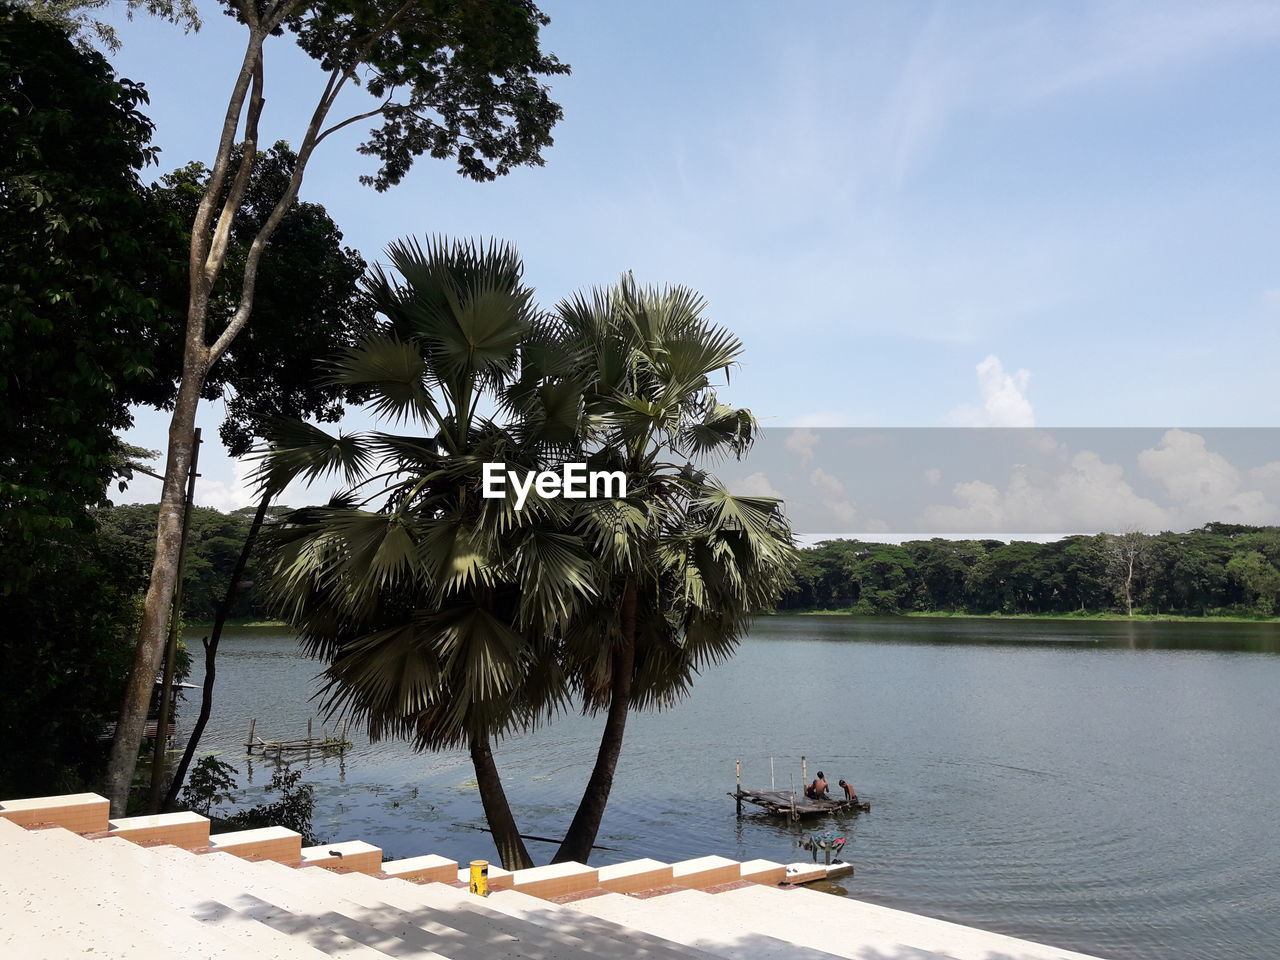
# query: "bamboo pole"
{"type": "Point", "coordinates": [737, 768]}
{"type": "Point", "coordinates": [252, 723]}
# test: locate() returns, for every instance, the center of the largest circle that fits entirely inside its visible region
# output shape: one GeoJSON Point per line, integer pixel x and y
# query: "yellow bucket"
{"type": "Point", "coordinates": [480, 877]}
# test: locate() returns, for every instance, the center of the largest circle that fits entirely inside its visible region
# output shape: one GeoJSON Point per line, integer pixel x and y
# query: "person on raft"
{"type": "Point", "coordinates": [818, 789]}
{"type": "Point", "coordinates": [850, 794]}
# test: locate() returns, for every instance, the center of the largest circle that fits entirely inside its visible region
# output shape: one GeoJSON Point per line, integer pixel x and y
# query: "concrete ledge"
{"type": "Point", "coordinates": [764, 871]}
{"type": "Point", "coordinates": [355, 855]}
{"type": "Point", "coordinates": [805, 872]}
{"type": "Point", "coordinates": [77, 812]}
{"type": "Point", "coordinates": [635, 875]}
{"type": "Point", "coordinates": [499, 879]}
{"type": "Point", "coordinates": [180, 829]}
{"type": "Point", "coordinates": [705, 872]}
{"type": "Point", "coordinates": [426, 869]}
{"type": "Point", "coordinates": [267, 843]}
{"type": "Point", "coordinates": [554, 880]}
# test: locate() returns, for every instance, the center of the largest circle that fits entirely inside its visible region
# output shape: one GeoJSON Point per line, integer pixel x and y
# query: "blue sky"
{"type": "Point", "coordinates": [913, 214]}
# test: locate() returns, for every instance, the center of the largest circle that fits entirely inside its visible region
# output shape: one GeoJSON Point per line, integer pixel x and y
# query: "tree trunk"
{"type": "Point", "coordinates": [155, 614]}
{"type": "Point", "coordinates": [581, 835]}
{"type": "Point", "coordinates": [502, 824]}
{"type": "Point", "coordinates": [211, 653]}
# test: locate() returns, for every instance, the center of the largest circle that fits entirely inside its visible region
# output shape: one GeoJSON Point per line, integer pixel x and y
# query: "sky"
{"type": "Point", "coordinates": [913, 214]}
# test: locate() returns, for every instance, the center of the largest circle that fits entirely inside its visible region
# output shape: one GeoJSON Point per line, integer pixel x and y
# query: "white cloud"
{"type": "Point", "coordinates": [828, 484]}
{"type": "Point", "coordinates": [1089, 496]}
{"type": "Point", "coordinates": [833, 498]}
{"type": "Point", "coordinates": [801, 442]}
{"type": "Point", "coordinates": [1204, 484]}
{"type": "Point", "coordinates": [756, 485]}
{"type": "Point", "coordinates": [227, 495]}
{"type": "Point", "coordinates": [1266, 478]}
{"type": "Point", "coordinates": [1003, 398]}
{"type": "Point", "coordinates": [933, 476]}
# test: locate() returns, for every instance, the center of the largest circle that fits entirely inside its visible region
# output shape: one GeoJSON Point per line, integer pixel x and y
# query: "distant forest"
{"type": "Point", "coordinates": [127, 535]}
{"type": "Point", "coordinates": [1220, 569]}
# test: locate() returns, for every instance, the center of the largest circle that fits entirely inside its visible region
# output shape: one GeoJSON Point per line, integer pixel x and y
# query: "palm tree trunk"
{"type": "Point", "coordinates": [502, 824]}
{"type": "Point", "coordinates": [211, 652]}
{"type": "Point", "coordinates": [581, 835]}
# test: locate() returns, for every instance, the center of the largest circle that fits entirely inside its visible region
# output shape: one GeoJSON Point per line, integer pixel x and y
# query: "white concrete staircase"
{"type": "Point", "coordinates": [73, 884]}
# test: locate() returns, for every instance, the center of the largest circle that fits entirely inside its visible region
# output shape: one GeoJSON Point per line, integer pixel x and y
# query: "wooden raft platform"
{"type": "Point", "coordinates": [781, 802]}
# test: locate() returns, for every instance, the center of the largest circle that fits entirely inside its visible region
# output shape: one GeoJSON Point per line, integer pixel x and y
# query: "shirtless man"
{"type": "Point", "coordinates": [850, 794]}
{"type": "Point", "coordinates": [818, 789]}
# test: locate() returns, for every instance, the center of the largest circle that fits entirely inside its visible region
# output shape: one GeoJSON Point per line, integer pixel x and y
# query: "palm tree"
{"type": "Point", "coordinates": [438, 611]}
{"type": "Point", "coordinates": [684, 562]}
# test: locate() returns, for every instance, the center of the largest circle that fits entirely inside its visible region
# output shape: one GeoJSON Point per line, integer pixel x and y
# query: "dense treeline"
{"type": "Point", "coordinates": [128, 534]}
{"type": "Point", "coordinates": [1218, 569]}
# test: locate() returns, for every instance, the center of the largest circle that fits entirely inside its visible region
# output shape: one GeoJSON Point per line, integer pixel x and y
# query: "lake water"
{"type": "Point", "coordinates": [1107, 787]}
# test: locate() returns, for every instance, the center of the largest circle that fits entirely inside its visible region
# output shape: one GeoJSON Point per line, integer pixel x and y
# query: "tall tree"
{"type": "Point", "coordinates": [685, 563]}
{"type": "Point", "coordinates": [1125, 555]}
{"type": "Point", "coordinates": [79, 281]}
{"type": "Point", "coordinates": [79, 298]}
{"type": "Point", "coordinates": [453, 78]}
{"type": "Point", "coordinates": [436, 609]}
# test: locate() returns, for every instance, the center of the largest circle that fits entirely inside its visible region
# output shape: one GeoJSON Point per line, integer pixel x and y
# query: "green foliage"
{"type": "Point", "coordinates": [308, 305]}
{"type": "Point", "coordinates": [213, 782]}
{"type": "Point", "coordinates": [1219, 568]}
{"type": "Point", "coordinates": [75, 18]}
{"type": "Point", "coordinates": [81, 254]}
{"type": "Point", "coordinates": [127, 535]}
{"type": "Point", "coordinates": [65, 652]}
{"type": "Point", "coordinates": [452, 79]}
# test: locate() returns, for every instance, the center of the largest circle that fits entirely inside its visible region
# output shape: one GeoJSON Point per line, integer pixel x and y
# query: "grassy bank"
{"type": "Point", "coordinates": [236, 622]}
{"type": "Point", "coordinates": [1119, 617]}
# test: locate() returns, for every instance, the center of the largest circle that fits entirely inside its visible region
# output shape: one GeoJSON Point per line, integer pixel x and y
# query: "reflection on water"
{"type": "Point", "coordinates": [1105, 786]}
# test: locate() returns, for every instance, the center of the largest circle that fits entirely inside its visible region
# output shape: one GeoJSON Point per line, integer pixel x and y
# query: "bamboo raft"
{"type": "Point", "coordinates": [338, 744]}
{"type": "Point", "coordinates": [787, 803]}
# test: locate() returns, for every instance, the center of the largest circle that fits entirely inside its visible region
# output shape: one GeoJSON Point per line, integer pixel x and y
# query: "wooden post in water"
{"type": "Point", "coordinates": [804, 772]}
{"type": "Point", "coordinates": [737, 793]}
{"type": "Point", "coordinates": [771, 786]}
{"type": "Point", "coordinates": [252, 723]}
{"type": "Point", "coordinates": [308, 731]}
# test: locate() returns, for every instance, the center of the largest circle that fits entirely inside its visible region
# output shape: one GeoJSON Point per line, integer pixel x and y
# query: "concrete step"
{"type": "Point", "coordinates": [61, 897]}
{"type": "Point", "coordinates": [634, 875]}
{"type": "Point", "coordinates": [265, 843]}
{"type": "Point", "coordinates": [350, 854]}
{"type": "Point", "coordinates": [537, 923]}
{"type": "Point", "coordinates": [450, 921]}
{"type": "Point", "coordinates": [429, 867]}
{"type": "Point", "coordinates": [80, 812]}
{"type": "Point", "coordinates": [314, 905]}
{"type": "Point", "coordinates": [818, 919]}
{"type": "Point", "coordinates": [684, 917]}
{"type": "Point", "coordinates": [176, 890]}
{"type": "Point", "coordinates": [180, 829]}
{"type": "Point", "coordinates": [555, 879]}
{"type": "Point", "coordinates": [703, 872]}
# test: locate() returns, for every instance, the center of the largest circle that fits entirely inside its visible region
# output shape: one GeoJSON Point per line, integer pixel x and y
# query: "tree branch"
{"type": "Point", "coordinates": [249, 282]}
{"type": "Point", "coordinates": [222, 159]}
{"type": "Point", "coordinates": [226, 219]}
{"type": "Point", "coordinates": [356, 119]}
